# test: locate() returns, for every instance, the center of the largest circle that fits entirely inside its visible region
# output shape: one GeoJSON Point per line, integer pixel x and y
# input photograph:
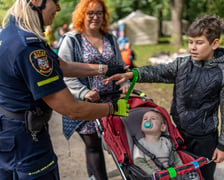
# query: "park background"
{"type": "Point", "coordinates": [165, 10]}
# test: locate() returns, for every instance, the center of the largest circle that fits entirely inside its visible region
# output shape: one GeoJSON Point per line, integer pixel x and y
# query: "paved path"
{"type": "Point", "coordinates": [73, 167]}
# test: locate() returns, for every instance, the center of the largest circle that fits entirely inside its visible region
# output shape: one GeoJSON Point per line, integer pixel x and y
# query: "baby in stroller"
{"type": "Point", "coordinates": [157, 143]}
{"type": "Point", "coordinates": [121, 134]}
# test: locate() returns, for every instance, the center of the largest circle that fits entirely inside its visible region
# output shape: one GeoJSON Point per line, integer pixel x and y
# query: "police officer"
{"type": "Point", "coordinates": [31, 85]}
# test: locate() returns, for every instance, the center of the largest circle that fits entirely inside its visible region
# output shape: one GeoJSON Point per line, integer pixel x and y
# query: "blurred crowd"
{"type": "Point", "coordinates": [55, 38]}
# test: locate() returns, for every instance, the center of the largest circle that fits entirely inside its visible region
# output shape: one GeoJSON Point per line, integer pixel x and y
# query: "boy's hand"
{"type": "Point", "coordinates": [121, 108]}
{"type": "Point", "coordinates": [120, 77]}
{"type": "Point", "coordinates": [218, 156]}
{"type": "Point", "coordinates": [124, 89]}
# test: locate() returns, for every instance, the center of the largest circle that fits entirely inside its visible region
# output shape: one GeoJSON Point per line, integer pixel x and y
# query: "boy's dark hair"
{"type": "Point", "coordinates": [209, 25]}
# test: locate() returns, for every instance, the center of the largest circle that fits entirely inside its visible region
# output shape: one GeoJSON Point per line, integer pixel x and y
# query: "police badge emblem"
{"type": "Point", "coordinates": [41, 63]}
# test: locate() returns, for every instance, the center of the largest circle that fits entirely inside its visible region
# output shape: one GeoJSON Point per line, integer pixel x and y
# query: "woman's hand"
{"type": "Point", "coordinates": [92, 96]}
{"type": "Point", "coordinates": [218, 156]}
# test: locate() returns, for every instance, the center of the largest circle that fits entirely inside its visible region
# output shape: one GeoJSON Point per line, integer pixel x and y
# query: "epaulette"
{"type": "Point", "coordinates": [32, 39]}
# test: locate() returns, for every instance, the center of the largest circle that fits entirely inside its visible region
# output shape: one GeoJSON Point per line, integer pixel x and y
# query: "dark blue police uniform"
{"type": "Point", "coordinates": [29, 70]}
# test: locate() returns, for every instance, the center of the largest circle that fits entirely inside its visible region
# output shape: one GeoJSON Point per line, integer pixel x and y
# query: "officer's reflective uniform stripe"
{"type": "Point", "coordinates": [42, 169]}
{"type": "Point", "coordinates": [48, 81]}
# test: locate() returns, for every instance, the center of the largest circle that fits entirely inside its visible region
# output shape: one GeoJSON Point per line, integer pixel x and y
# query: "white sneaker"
{"type": "Point", "coordinates": [92, 177]}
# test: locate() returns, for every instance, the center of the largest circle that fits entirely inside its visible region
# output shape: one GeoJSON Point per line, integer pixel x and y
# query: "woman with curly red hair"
{"type": "Point", "coordinates": [89, 41]}
{"type": "Point", "coordinates": [79, 15]}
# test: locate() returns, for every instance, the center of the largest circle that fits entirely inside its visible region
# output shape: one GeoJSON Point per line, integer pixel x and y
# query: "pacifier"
{"type": "Point", "coordinates": [148, 125]}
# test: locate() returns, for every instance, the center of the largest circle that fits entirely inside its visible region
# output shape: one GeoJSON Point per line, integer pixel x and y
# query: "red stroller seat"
{"type": "Point", "coordinates": [118, 132]}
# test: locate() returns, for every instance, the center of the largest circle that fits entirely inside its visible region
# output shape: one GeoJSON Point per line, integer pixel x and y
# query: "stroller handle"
{"type": "Point", "coordinates": [106, 94]}
{"type": "Point", "coordinates": [118, 93]}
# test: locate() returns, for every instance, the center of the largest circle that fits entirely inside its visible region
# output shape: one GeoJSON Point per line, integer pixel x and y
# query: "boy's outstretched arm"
{"type": "Point", "coordinates": [121, 78]}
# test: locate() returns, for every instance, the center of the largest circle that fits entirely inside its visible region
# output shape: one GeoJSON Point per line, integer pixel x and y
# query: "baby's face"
{"type": "Point", "coordinates": [156, 121]}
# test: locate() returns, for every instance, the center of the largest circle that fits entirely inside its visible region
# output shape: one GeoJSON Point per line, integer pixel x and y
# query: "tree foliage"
{"type": "Point", "coordinates": [121, 8]}
{"type": "Point", "coordinates": [4, 6]}
{"type": "Point", "coordinates": [65, 15]}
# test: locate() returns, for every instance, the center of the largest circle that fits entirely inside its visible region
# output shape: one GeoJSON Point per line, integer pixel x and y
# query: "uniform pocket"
{"type": "Point", "coordinates": [7, 144]}
{"type": "Point", "coordinates": [36, 165]}
{"type": "Point", "coordinates": [7, 155]}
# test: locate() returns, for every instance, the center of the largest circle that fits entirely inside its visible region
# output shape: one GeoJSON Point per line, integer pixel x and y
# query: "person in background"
{"type": "Point", "coordinates": [122, 40]}
{"type": "Point", "coordinates": [128, 55]}
{"type": "Point", "coordinates": [90, 42]}
{"type": "Point", "coordinates": [31, 86]}
{"type": "Point", "coordinates": [198, 90]}
{"type": "Point", "coordinates": [62, 31]}
{"type": "Point", "coordinates": [49, 35]}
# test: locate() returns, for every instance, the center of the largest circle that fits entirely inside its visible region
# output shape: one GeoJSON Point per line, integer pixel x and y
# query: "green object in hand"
{"type": "Point", "coordinates": [122, 108]}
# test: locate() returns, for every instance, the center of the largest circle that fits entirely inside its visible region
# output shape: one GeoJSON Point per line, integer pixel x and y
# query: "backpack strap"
{"type": "Point", "coordinates": [110, 38]}
{"type": "Point", "coordinates": [76, 40]}
{"type": "Point", "coordinates": [149, 154]}
{"type": "Point", "coordinates": [171, 159]}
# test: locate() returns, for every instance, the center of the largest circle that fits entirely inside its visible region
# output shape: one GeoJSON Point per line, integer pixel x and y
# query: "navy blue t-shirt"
{"type": "Point", "coordinates": [29, 69]}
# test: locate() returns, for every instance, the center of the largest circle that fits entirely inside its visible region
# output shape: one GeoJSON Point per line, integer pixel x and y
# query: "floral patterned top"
{"type": "Point", "coordinates": [75, 47]}
{"type": "Point", "coordinates": [92, 55]}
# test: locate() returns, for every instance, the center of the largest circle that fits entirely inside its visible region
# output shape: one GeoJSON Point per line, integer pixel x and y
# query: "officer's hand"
{"type": "Point", "coordinates": [115, 69]}
{"type": "Point", "coordinates": [121, 107]}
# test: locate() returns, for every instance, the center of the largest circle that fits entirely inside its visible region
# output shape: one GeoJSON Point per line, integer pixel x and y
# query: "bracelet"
{"type": "Point", "coordinates": [101, 69]}
{"type": "Point", "coordinates": [111, 109]}
{"type": "Point", "coordinates": [105, 68]}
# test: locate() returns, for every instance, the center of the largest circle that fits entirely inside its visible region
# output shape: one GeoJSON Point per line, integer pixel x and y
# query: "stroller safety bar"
{"type": "Point", "coordinates": [180, 170]}
{"type": "Point", "coordinates": [170, 172]}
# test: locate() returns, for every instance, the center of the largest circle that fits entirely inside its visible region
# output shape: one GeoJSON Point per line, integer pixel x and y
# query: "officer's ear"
{"type": "Point", "coordinates": [36, 3]}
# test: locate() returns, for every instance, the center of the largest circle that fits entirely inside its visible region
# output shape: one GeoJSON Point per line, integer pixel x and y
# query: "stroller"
{"type": "Point", "coordinates": [119, 134]}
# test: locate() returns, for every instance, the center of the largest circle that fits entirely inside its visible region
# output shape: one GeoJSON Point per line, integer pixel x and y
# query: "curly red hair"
{"type": "Point", "coordinates": [79, 14]}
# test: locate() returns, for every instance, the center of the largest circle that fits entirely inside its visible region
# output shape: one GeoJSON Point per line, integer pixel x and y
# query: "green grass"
{"type": "Point", "coordinates": [143, 52]}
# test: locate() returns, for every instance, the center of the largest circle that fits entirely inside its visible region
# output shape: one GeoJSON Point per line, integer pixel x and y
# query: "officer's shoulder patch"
{"type": "Point", "coordinates": [40, 62]}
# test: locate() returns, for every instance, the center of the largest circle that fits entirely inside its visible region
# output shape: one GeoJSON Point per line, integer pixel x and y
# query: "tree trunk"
{"type": "Point", "coordinates": [176, 7]}
{"type": "Point", "coordinates": [135, 5]}
{"type": "Point", "coordinates": [160, 17]}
